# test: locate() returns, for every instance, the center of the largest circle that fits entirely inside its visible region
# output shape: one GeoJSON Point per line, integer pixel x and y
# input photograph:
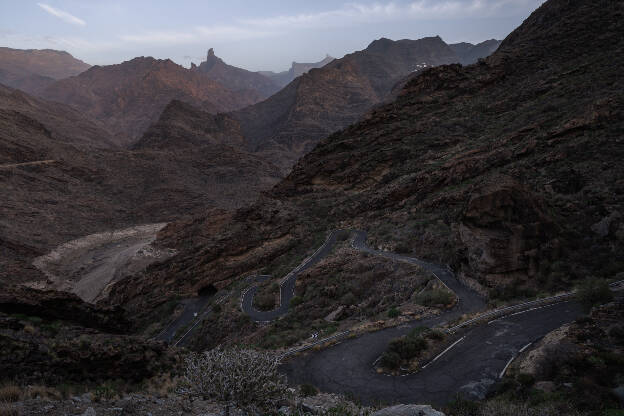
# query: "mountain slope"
{"type": "Point", "coordinates": [182, 125]}
{"type": "Point", "coordinates": [60, 179]}
{"type": "Point", "coordinates": [130, 96]}
{"type": "Point", "coordinates": [33, 70]}
{"type": "Point", "coordinates": [508, 170]}
{"type": "Point", "coordinates": [237, 79]}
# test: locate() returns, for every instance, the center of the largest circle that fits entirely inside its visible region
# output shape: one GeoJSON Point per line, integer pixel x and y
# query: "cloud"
{"type": "Point", "coordinates": [63, 15]}
{"type": "Point", "coordinates": [358, 13]}
{"type": "Point", "coordinates": [199, 34]}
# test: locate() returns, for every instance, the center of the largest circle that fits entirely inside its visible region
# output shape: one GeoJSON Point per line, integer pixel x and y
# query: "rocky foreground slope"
{"type": "Point", "coordinates": [508, 170]}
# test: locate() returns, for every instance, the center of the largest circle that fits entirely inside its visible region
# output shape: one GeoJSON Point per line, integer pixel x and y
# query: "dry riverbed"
{"type": "Point", "coordinates": [89, 265]}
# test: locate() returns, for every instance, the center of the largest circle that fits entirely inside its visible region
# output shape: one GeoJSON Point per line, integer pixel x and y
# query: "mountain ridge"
{"type": "Point", "coordinates": [32, 70]}
{"type": "Point", "coordinates": [128, 97]}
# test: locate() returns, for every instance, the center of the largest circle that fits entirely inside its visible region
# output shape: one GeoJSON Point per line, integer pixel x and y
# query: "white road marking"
{"type": "Point", "coordinates": [507, 366]}
{"type": "Point", "coordinates": [525, 347]}
{"type": "Point", "coordinates": [445, 351]}
{"type": "Point", "coordinates": [377, 360]}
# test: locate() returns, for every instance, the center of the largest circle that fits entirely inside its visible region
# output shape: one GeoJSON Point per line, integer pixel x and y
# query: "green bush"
{"type": "Point", "coordinates": [393, 313]}
{"type": "Point", "coordinates": [407, 347]}
{"type": "Point", "coordinates": [296, 301]}
{"type": "Point", "coordinates": [594, 292]}
{"type": "Point", "coordinates": [435, 297]}
{"type": "Point", "coordinates": [390, 360]}
{"type": "Point", "coordinates": [435, 334]}
{"type": "Point", "coordinates": [308, 390]}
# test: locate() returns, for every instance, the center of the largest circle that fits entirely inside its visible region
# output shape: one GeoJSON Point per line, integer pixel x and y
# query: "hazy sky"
{"type": "Point", "coordinates": [253, 34]}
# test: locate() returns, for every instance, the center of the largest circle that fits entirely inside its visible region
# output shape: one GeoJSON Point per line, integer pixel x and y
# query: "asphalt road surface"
{"type": "Point", "coordinates": [287, 288]}
{"type": "Point", "coordinates": [471, 367]}
{"type": "Point", "coordinates": [468, 300]}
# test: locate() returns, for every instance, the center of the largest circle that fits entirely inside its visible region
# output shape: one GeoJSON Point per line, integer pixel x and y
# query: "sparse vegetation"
{"type": "Point", "coordinates": [238, 377]}
{"type": "Point", "coordinates": [593, 292]}
{"type": "Point", "coordinates": [435, 297]}
{"type": "Point", "coordinates": [10, 393]}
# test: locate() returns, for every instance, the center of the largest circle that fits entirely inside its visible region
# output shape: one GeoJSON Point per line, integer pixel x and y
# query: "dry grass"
{"type": "Point", "coordinates": [162, 385]}
{"type": "Point", "coordinates": [10, 393]}
{"type": "Point", "coordinates": [42, 392]}
{"type": "Point", "coordinates": [503, 408]}
{"type": "Point", "coordinates": [7, 409]}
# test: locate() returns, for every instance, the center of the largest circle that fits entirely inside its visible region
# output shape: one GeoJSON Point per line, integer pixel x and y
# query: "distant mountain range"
{"type": "Point", "coordinates": [128, 97]}
{"type": "Point", "coordinates": [289, 124]}
{"type": "Point", "coordinates": [236, 79]}
{"type": "Point", "coordinates": [469, 53]}
{"type": "Point", "coordinates": [297, 69]}
{"type": "Point", "coordinates": [33, 70]}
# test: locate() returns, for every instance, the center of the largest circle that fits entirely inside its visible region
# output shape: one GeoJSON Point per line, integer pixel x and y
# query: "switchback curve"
{"type": "Point", "coordinates": [468, 301]}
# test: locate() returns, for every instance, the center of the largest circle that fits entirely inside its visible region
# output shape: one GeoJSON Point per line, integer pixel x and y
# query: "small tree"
{"type": "Point", "coordinates": [235, 377]}
{"type": "Point", "coordinates": [593, 292]}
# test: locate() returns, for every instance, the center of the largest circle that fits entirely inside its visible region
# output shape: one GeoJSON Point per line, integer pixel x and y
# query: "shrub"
{"type": "Point", "coordinates": [8, 410]}
{"type": "Point", "coordinates": [390, 360]}
{"type": "Point", "coordinates": [593, 292]}
{"type": "Point", "coordinates": [10, 393]}
{"type": "Point", "coordinates": [264, 301]}
{"type": "Point", "coordinates": [216, 309]}
{"type": "Point", "coordinates": [435, 334]}
{"type": "Point", "coordinates": [236, 377]}
{"type": "Point", "coordinates": [307, 390]}
{"type": "Point", "coordinates": [407, 347]}
{"type": "Point", "coordinates": [526, 380]}
{"type": "Point", "coordinates": [296, 301]}
{"type": "Point", "coordinates": [435, 297]}
{"type": "Point", "coordinates": [393, 313]}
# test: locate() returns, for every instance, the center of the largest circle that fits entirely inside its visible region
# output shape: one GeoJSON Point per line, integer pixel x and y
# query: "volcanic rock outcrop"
{"type": "Point", "coordinates": [253, 84]}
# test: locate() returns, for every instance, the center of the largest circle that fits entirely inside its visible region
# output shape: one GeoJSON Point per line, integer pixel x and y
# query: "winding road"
{"type": "Point", "coordinates": [468, 300]}
{"type": "Point", "coordinates": [469, 366]}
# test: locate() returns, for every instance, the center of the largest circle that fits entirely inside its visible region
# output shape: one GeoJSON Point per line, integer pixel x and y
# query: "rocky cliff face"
{"type": "Point", "coordinates": [33, 70]}
{"type": "Point", "coordinates": [499, 169]}
{"type": "Point", "coordinates": [252, 84]}
{"type": "Point", "coordinates": [128, 97]}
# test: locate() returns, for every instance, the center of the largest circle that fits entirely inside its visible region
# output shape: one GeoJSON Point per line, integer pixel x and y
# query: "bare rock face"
{"type": "Point", "coordinates": [505, 231]}
{"type": "Point", "coordinates": [237, 79]}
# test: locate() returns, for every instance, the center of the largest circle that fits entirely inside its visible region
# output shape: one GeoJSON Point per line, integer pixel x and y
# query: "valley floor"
{"type": "Point", "coordinates": [88, 265]}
